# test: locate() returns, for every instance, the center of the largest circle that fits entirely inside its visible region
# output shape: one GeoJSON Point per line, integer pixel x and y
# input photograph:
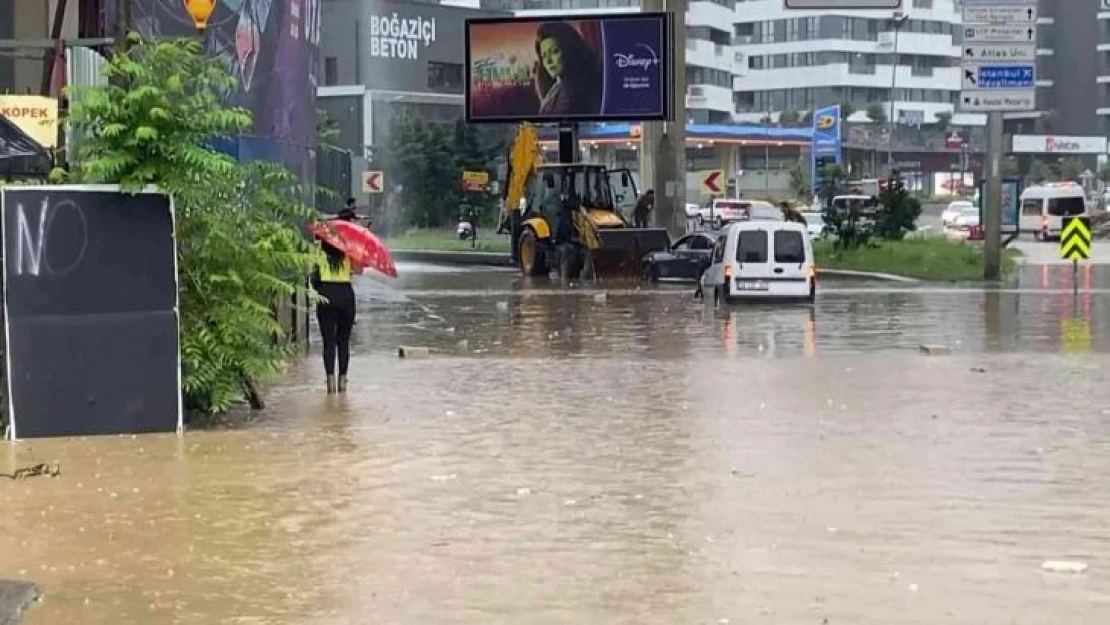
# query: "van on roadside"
{"type": "Point", "coordinates": [762, 260]}
{"type": "Point", "coordinates": [1044, 207]}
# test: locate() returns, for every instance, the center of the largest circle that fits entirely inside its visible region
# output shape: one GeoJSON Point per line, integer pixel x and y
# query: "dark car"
{"type": "Point", "coordinates": [685, 260]}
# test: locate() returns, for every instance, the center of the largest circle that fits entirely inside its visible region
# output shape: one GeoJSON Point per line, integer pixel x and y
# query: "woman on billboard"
{"type": "Point", "coordinates": [568, 72]}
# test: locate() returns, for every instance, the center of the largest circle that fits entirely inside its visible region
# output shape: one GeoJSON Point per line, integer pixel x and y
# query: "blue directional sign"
{"type": "Point", "coordinates": [1001, 76]}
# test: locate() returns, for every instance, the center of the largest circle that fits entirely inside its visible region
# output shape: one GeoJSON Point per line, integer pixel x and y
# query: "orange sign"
{"type": "Point", "coordinates": [36, 116]}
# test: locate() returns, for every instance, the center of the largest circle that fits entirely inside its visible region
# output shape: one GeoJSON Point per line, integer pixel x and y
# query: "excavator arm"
{"type": "Point", "coordinates": [524, 159]}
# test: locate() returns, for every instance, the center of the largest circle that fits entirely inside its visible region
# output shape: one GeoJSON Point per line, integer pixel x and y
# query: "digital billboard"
{"type": "Point", "coordinates": [826, 147]}
{"type": "Point", "coordinates": [569, 68]}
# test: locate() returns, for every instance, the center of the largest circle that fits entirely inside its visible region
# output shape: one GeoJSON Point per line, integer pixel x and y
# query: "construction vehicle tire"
{"type": "Point", "coordinates": [533, 260]}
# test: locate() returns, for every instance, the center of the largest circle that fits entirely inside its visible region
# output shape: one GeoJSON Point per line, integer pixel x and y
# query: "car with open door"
{"type": "Point", "coordinates": [686, 259]}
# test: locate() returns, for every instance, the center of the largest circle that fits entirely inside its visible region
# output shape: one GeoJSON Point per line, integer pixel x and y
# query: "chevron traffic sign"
{"type": "Point", "coordinates": [1075, 239]}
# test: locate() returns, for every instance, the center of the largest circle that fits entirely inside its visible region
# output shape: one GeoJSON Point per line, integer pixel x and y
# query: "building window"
{"type": "Point", "coordinates": [445, 76]}
{"type": "Point", "coordinates": [331, 71]}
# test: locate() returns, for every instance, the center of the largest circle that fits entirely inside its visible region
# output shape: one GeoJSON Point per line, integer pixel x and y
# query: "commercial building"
{"type": "Point", "coordinates": [383, 58]}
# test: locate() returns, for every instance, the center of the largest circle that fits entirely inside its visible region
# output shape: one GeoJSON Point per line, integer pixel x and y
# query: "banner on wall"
{"type": "Point", "coordinates": [570, 68]}
{"type": "Point", "coordinates": [825, 148]}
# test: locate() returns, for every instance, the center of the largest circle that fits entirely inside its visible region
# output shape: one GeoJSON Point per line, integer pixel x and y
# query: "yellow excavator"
{"type": "Point", "coordinates": [566, 216]}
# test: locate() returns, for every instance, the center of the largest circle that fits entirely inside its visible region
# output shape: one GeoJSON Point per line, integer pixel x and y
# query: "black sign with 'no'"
{"type": "Point", "coordinates": [91, 311]}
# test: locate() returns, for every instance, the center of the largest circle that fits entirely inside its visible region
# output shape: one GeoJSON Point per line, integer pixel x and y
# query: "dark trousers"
{"type": "Point", "coordinates": [639, 220]}
{"type": "Point", "coordinates": [336, 318]}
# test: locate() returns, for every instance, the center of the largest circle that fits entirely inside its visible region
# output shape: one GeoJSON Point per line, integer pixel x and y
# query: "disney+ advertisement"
{"type": "Point", "coordinates": [608, 67]}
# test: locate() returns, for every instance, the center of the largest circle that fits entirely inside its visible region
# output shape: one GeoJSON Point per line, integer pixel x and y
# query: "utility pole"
{"type": "Point", "coordinates": [896, 21]}
{"type": "Point", "coordinates": [663, 144]}
{"type": "Point", "coordinates": [992, 203]}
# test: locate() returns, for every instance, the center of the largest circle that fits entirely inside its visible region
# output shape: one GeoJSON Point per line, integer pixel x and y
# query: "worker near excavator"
{"type": "Point", "coordinates": [643, 207]}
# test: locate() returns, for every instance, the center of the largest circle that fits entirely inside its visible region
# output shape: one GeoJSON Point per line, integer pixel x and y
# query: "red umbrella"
{"type": "Point", "coordinates": [361, 246]}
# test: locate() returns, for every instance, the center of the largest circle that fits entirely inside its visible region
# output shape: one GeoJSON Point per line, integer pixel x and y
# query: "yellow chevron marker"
{"type": "Point", "coordinates": [1075, 239]}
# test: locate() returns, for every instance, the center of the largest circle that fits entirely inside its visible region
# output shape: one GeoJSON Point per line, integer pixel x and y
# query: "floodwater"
{"type": "Point", "coordinates": [620, 456]}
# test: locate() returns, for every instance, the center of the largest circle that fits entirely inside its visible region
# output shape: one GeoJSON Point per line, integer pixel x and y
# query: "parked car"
{"type": "Point", "coordinates": [762, 260]}
{"type": "Point", "coordinates": [815, 223]}
{"type": "Point", "coordinates": [967, 219]}
{"type": "Point", "coordinates": [692, 211]}
{"type": "Point", "coordinates": [721, 211]}
{"type": "Point", "coordinates": [764, 211]}
{"type": "Point", "coordinates": [949, 215]}
{"type": "Point", "coordinates": [685, 260]}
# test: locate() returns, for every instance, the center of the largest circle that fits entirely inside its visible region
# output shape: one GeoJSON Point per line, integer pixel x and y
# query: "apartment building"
{"type": "Point", "coordinates": [799, 60]}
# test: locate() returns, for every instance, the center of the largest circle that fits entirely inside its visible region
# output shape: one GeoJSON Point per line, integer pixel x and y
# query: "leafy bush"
{"type": "Point", "coordinates": [898, 210]}
{"type": "Point", "coordinates": [238, 226]}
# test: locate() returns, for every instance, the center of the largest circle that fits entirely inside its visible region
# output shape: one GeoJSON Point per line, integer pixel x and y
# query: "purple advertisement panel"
{"type": "Point", "coordinates": [570, 68]}
{"type": "Point", "coordinates": [271, 47]}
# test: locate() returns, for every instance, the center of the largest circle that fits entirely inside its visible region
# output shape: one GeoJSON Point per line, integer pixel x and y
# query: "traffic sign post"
{"type": "Point", "coordinates": [998, 71]}
{"type": "Point", "coordinates": [373, 181]}
{"type": "Point", "coordinates": [1075, 245]}
{"type": "Point", "coordinates": [713, 181]}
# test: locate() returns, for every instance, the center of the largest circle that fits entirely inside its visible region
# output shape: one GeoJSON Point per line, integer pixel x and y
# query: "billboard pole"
{"type": "Point", "coordinates": [992, 214]}
{"type": "Point", "coordinates": [663, 144]}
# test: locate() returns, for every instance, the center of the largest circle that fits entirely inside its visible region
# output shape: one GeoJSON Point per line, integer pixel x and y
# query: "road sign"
{"type": "Point", "coordinates": [1075, 239]}
{"type": "Point", "coordinates": [713, 181]}
{"type": "Point", "coordinates": [475, 180]}
{"type": "Point", "coordinates": [1014, 13]}
{"type": "Point", "coordinates": [999, 33]}
{"type": "Point", "coordinates": [998, 76]}
{"type": "Point", "coordinates": [1001, 53]}
{"type": "Point", "coordinates": [988, 101]}
{"type": "Point", "coordinates": [843, 4]}
{"type": "Point", "coordinates": [372, 181]}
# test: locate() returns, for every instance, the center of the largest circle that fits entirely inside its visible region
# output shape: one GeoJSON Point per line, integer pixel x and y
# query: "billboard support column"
{"type": "Point", "coordinates": [663, 158]}
{"type": "Point", "coordinates": [569, 152]}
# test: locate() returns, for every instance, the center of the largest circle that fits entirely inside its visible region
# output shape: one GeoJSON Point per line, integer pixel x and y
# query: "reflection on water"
{"type": "Point", "coordinates": [615, 456]}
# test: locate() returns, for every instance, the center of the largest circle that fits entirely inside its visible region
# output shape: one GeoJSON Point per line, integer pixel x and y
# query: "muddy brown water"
{"type": "Point", "coordinates": [632, 458]}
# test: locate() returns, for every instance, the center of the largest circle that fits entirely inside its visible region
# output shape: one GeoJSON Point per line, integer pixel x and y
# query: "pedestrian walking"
{"type": "Point", "coordinates": [335, 313]}
{"type": "Point", "coordinates": [643, 207]}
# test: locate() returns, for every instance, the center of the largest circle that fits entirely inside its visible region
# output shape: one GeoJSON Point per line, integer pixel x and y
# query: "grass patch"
{"type": "Point", "coordinates": [925, 259]}
{"type": "Point", "coordinates": [447, 241]}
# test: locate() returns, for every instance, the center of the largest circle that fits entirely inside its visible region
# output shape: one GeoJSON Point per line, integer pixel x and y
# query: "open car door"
{"type": "Point", "coordinates": [623, 187]}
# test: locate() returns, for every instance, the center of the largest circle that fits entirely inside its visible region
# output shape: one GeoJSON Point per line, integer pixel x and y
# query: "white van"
{"type": "Point", "coordinates": [762, 260]}
{"type": "Point", "coordinates": [1044, 206]}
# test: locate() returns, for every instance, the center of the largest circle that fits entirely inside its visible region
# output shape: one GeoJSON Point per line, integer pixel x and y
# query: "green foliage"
{"type": "Point", "coordinates": [877, 112]}
{"type": "Point", "coordinates": [944, 120]}
{"type": "Point", "coordinates": [788, 118]}
{"type": "Point", "coordinates": [427, 159]}
{"type": "Point", "coordinates": [239, 242]}
{"type": "Point", "coordinates": [799, 181]}
{"type": "Point", "coordinates": [1039, 172]}
{"type": "Point", "coordinates": [833, 179]}
{"type": "Point", "coordinates": [898, 210]}
{"type": "Point", "coordinates": [1009, 167]}
{"type": "Point", "coordinates": [846, 110]}
{"type": "Point", "coordinates": [1069, 168]}
{"type": "Point", "coordinates": [1104, 172]}
{"type": "Point", "coordinates": [327, 130]}
{"type": "Point", "coordinates": [807, 118]}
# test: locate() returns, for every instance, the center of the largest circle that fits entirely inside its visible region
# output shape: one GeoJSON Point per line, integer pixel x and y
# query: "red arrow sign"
{"type": "Point", "coordinates": [710, 181]}
{"type": "Point", "coordinates": [372, 182]}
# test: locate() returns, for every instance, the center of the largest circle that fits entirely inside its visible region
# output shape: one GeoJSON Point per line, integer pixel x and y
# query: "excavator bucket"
{"type": "Point", "coordinates": [622, 250]}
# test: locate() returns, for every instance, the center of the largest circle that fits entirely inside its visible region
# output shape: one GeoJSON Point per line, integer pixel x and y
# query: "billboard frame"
{"type": "Point", "coordinates": [667, 98]}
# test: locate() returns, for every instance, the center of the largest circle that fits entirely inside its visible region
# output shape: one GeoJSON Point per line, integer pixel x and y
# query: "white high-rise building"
{"type": "Point", "coordinates": [795, 60]}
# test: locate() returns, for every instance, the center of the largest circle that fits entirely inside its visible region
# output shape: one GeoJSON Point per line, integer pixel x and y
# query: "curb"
{"type": "Point", "coordinates": [483, 259]}
{"type": "Point", "coordinates": [870, 275]}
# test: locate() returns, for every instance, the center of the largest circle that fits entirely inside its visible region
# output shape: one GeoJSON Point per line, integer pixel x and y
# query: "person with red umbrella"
{"type": "Point", "coordinates": [335, 312]}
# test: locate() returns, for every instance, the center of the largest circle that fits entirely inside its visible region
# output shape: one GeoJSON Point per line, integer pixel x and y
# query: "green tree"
{"type": "Point", "coordinates": [427, 159]}
{"type": "Point", "coordinates": [788, 118]}
{"type": "Point", "coordinates": [1039, 172]}
{"type": "Point", "coordinates": [1104, 172]}
{"type": "Point", "coordinates": [799, 181]}
{"type": "Point", "coordinates": [327, 130]}
{"type": "Point", "coordinates": [1009, 167]}
{"type": "Point", "coordinates": [1069, 168]}
{"type": "Point", "coordinates": [877, 112]}
{"type": "Point", "coordinates": [944, 121]}
{"type": "Point", "coordinates": [846, 110]}
{"type": "Point", "coordinates": [898, 210]}
{"type": "Point", "coordinates": [239, 242]}
{"type": "Point", "coordinates": [807, 118]}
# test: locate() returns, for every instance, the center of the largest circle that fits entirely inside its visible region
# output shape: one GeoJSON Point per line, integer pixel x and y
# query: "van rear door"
{"type": "Point", "coordinates": [753, 260]}
{"type": "Point", "coordinates": [788, 255]}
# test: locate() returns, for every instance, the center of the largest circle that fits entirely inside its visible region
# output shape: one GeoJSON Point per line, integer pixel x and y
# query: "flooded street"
{"type": "Point", "coordinates": [616, 456]}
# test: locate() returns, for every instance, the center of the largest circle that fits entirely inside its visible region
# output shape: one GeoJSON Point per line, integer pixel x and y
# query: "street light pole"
{"type": "Point", "coordinates": [896, 21]}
